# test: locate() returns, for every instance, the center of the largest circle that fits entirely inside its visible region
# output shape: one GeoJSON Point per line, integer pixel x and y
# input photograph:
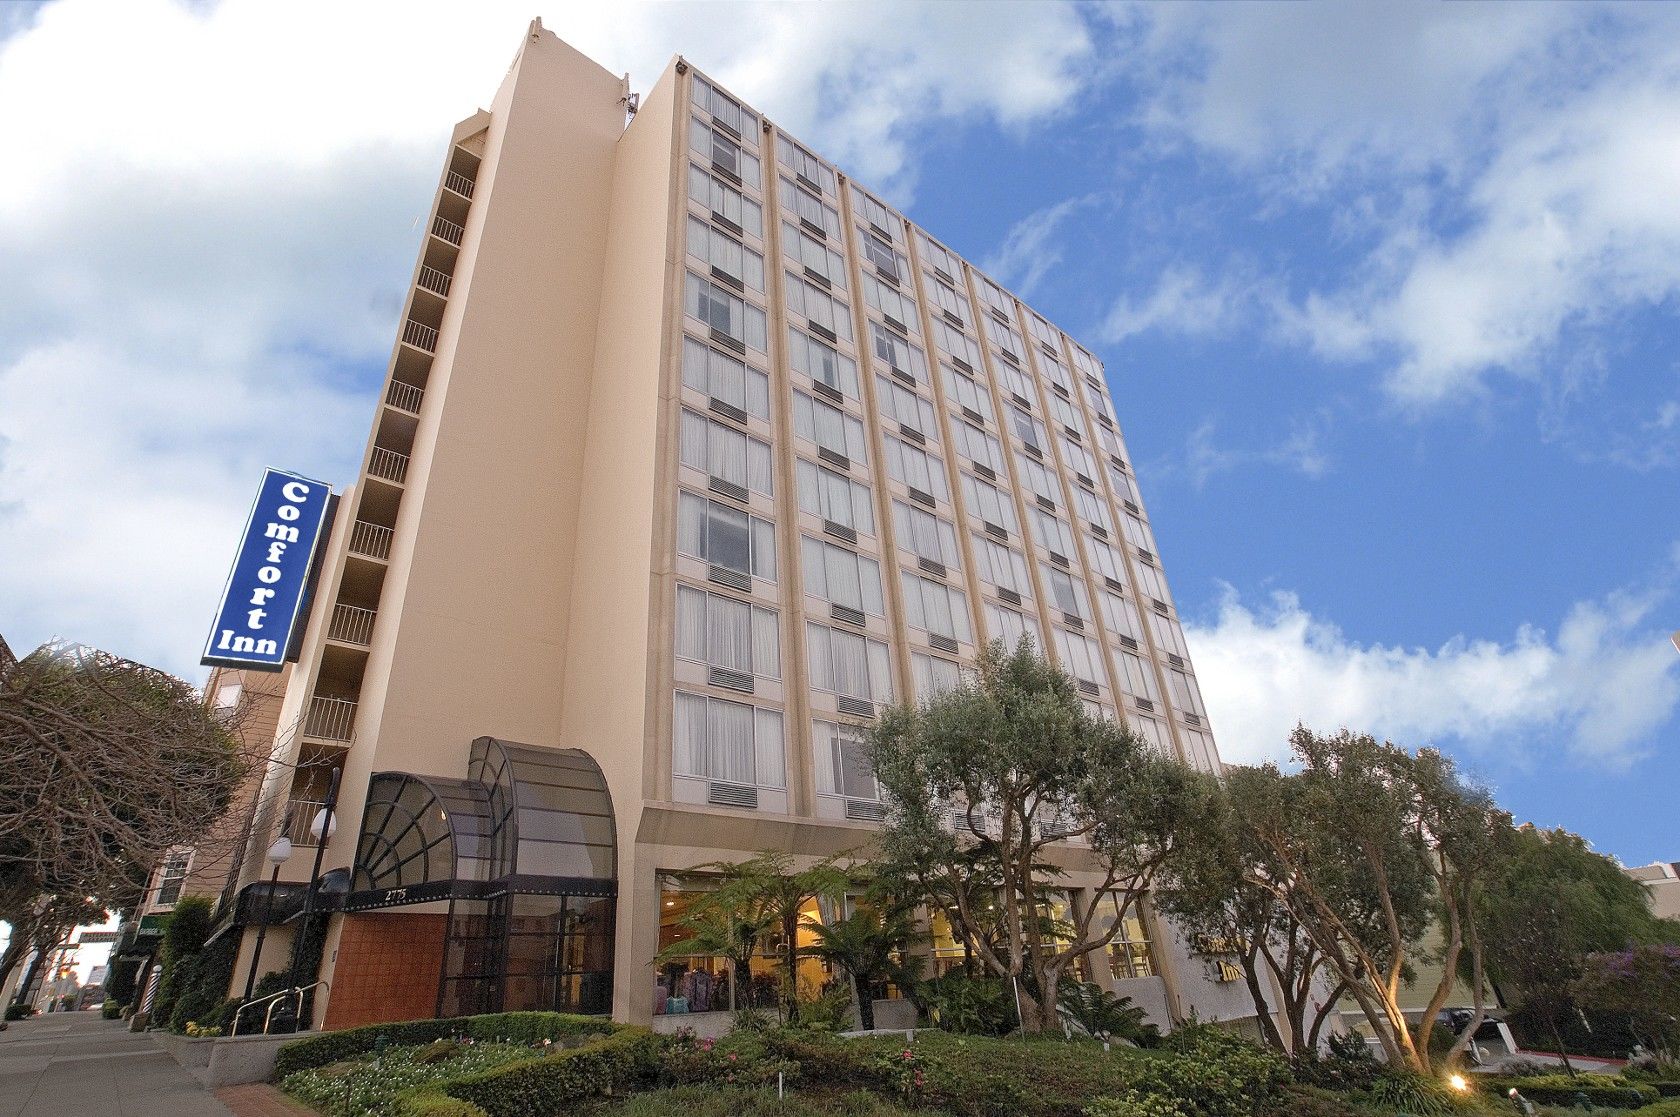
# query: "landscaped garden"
{"type": "Point", "coordinates": [545, 1064]}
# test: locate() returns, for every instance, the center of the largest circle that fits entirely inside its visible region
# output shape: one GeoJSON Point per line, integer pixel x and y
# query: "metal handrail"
{"type": "Point", "coordinates": [300, 990]}
{"type": "Point", "coordinates": [446, 230]}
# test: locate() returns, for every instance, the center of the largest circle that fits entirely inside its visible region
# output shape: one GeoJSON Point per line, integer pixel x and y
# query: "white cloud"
{"type": "Point", "coordinates": [1183, 301]}
{"type": "Point", "coordinates": [1600, 686]}
{"type": "Point", "coordinates": [1029, 250]}
{"type": "Point", "coordinates": [206, 244]}
{"type": "Point", "coordinates": [1301, 449]}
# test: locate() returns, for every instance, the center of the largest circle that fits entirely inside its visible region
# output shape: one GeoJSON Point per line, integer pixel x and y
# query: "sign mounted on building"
{"type": "Point", "coordinates": [269, 583]}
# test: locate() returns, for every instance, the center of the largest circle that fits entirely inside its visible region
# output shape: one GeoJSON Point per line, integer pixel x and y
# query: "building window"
{"type": "Point", "coordinates": [1081, 657]}
{"type": "Point", "coordinates": [1052, 531]}
{"type": "Point", "coordinates": [915, 467]}
{"type": "Point", "coordinates": [727, 742]}
{"type": "Point", "coordinates": [1169, 635]}
{"type": "Point", "coordinates": [989, 502]}
{"type": "Point", "coordinates": [723, 152]}
{"type": "Point", "coordinates": [906, 408]}
{"type": "Point", "coordinates": [935, 607]}
{"type": "Point", "coordinates": [1066, 591]}
{"type": "Point", "coordinates": [978, 446]}
{"type": "Point", "coordinates": [896, 353]}
{"type": "Point", "coordinates": [813, 255]}
{"type": "Point", "coordinates": [1136, 679]}
{"type": "Point", "coordinates": [1123, 487]}
{"type": "Point", "coordinates": [828, 427]}
{"type": "Point", "coordinates": [1004, 337]}
{"type": "Point", "coordinates": [946, 298]}
{"type": "Point", "coordinates": [1187, 696]}
{"type": "Point", "coordinates": [725, 536]}
{"type": "Point", "coordinates": [1066, 412]}
{"type": "Point", "coordinates": [721, 451]}
{"type": "Point", "coordinates": [724, 201]}
{"type": "Point", "coordinates": [1137, 533]}
{"type": "Point", "coordinates": [1106, 559]}
{"type": "Point", "coordinates": [1036, 477]}
{"type": "Point", "coordinates": [1007, 625]}
{"type": "Point", "coordinates": [1000, 566]}
{"type": "Point", "coordinates": [817, 306]}
{"type": "Point", "coordinates": [831, 496]}
{"type": "Point", "coordinates": [725, 254]}
{"type": "Point", "coordinates": [1128, 954]}
{"type": "Point", "coordinates": [822, 363]}
{"type": "Point", "coordinates": [1094, 508]}
{"type": "Point", "coordinates": [956, 344]}
{"type": "Point", "coordinates": [1152, 733]}
{"type": "Point", "coordinates": [933, 676]}
{"type": "Point", "coordinates": [939, 257]}
{"type": "Point", "coordinates": [967, 394]}
{"type": "Point", "coordinates": [727, 110]}
{"type": "Point", "coordinates": [172, 876]}
{"type": "Point", "coordinates": [1015, 381]}
{"type": "Point", "coordinates": [723, 632]}
{"type": "Point", "coordinates": [846, 664]}
{"type": "Point", "coordinates": [1078, 458]}
{"type": "Point", "coordinates": [841, 577]}
{"type": "Point", "coordinates": [730, 315]}
{"type": "Point", "coordinates": [802, 163]}
{"type": "Point", "coordinates": [841, 765]}
{"type": "Point", "coordinates": [1151, 582]}
{"type": "Point", "coordinates": [1120, 616]}
{"type": "Point", "coordinates": [809, 208]}
{"type": "Point", "coordinates": [923, 534]}
{"type": "Point", "coordinates": [726, 379]}
{"type": "Point", "coordinates": [885, 299]}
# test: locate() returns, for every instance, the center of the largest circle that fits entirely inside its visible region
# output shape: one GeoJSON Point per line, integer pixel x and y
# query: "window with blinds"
{"type": "Point", "coordinates": [722, 632]}
{"type": "Point", "coordinates": [924, 534]}
{"type": "Point", "coordinates": [723, 253]}
{"type": "Point", "coordinates": [896, 353]}
{"type": "Point", "coordinates": [729, 742]}
{"type": "Point", "coordinates": [1007, 625]}
{"type": "Point", "coordinates": [822, 362]}
{"type": "Point", "coordinates": [989, 502]}
{"type": "Point", "coordinates": [725, 536]}
{"type": "Point", "coordinates": [725, 378]}
{"type": "Point", "coordinates": [834, 497]}
{"type": "Point", "coordinates": [1066, 591]}
{"type": "Point", "coordinates": [933, 676]}
{"type": "Point", "coordinates": [724, 152]}
{"type": "Point", "coordinates": [967, 394]}
{"type": "Point", "coordinates": [1000, 565]}
{"type": "Point", "coordinates": [1080, 655]}
{"type": "Point", "coordinates": [900, 404]}
{"type": "Point", "coordinates": [915, 467]}
{"type": "Point", "coordinates": [841, 577]}
{"type": "Point", "coordinates": [814, 255]}
{"type": "Point", "coordinates": [810, 208]}
{"type": "Point", "coordinates": [1136, 678]}
{"type": "Point", "coordinates": [977, 446]}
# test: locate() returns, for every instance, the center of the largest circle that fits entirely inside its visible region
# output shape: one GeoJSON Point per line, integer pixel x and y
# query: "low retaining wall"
{"type": "Point", "coordinates": [225, 1061]}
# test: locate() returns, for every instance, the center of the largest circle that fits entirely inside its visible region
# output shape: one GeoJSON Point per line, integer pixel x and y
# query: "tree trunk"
{"type": "Point", "coordinates": [30, 974]}
{"type": "Point", "coordinates": [9, 960]}
{"type": "Point", "coordinates": [866, 1004]}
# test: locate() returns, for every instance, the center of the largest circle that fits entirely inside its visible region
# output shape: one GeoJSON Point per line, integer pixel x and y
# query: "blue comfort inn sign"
{"type": "Point", "coordinates": [270, 579]}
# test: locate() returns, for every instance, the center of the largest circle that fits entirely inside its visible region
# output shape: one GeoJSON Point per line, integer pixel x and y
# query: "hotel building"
{"type": "Point", "coordinates": [693, 455]}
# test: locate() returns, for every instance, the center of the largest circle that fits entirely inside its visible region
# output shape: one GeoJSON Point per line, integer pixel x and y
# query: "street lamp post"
{"type": "Point", "coordinates": [277, 854]}
{"type": "Point", "coordinates": [322, 826]}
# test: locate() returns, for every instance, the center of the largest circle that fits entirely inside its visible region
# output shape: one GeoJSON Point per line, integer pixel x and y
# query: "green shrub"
{"type": "Point", "coordinates": [1668, 1108]}
{"type": "Point", "coordinates": [425, 1103]}
{"type": "Point", "coordinates": [1310, 1101]}
{"type": "Point", "coordinates": [1608, 1091]}
{"type": "Point", "coordinates": [201, 984]}
{"type": "Point", "coordinates": [1411, 1093]}
{"type": "Point", "coordinates": [514, 1027]}
{"type": "Point", "coordinates": [111, 1010]}
{"type": "Point", "coordinates": [1349, 1065]}
{"type": "Point", "coordinates": [979, 1006]}
{"type": "Point", "coordinates": [184, 935]}
{"type": "Point", "coordinates": [1136, 1105]}
{"type": "Point", "coordinates": [543, 1086]}
{"type": "Point", "coordinates": [393, 1081]}
{"type": "Point", "coordinates": [1105, 1015]}
{"type": "Point", "coordinates": [15, 1011]}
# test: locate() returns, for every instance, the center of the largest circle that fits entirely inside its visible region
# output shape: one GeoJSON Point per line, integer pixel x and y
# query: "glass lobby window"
{"type": "Point", "coordinates": [726, 110]}
{"type": "Point", "coordinates": [822, 362]}
{"type": "Point", "coordinates": [989, 502]}
{"type": "Point", "coordinates": [730, 742]}
{"type": "Point", "coordinates": [923, 534]}
{"type": "Point", "coordinates": [834, 497]}
{"type": "Point", "coordinates": [1000, 566]}
{"type": "Point", "coordinates": [1128, 953]}
{"type": "Point", "coordinates": [729, 314]}
{"type": "Point", "coordinates": [813, 255]}
{"type": "Point", "coordinates": [841, 577]}
{"type": "Point", "coordinates": [714, 532]}
{"type": "Point", "coordinates": [977, 446]}
{"type": "Point", "coordinates": [967, 394]}
{"type": "Point", "coordinates": [1066, 591]}
{"type": "Point", "coordinates": [915, 467]}
{"type": "Point", "coordinates": [810, 208]}
{"type": "Point", "coordinates": [725, 201]}
{"type": "Point", "coordinates": [816, 305]}
{"type": "Point", "coordinates": [723, 151]}
{"type": "Point", "coordinates": [956, 344]}
{"type": "Point", "coordinates": [841, 766]}
{"type": "Point", "coordinates": [829, 427]}
{"type": "Point", "coordinates": [1007, 625]}
{"type": "Point", "coordinates": [1136, 679]}
{"type": "Point", "coordinates": [803, 164]}
{"type": "Point", "coordinates": [725, 254]}
{"type": "Point", "coordinates": [848, 665]}
{"type": "Point", "coordinates": [722, 632]}
{"type": "Point", "coordinates": [935, 607]}
{"type": "Point", "coordinates": [721, 451]}
{"type": "Point", "coordinates": [891, 302]}
{"type": "Point", "coordinates": [896, 353]}
{"type": "Point", "coordinates": [933, 676]}
{"type": "Point", "coordinates": [1080, 656]}
{"type": "Point", "coordinates": [906, 408]}
{"type": "Point", "coordinates": [725, 378]}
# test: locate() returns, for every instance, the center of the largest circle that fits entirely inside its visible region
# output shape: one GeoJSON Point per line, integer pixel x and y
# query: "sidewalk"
{"type": "Point", "coordinates": [74, 1064]}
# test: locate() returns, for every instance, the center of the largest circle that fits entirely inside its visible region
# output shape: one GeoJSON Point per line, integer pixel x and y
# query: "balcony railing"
{"type": "Point", "coordinates": [446, 230]}
{"type": "Point", "coordinates": [388, 465]}
{"type": "Point", "coordinates": [330, 719]}
{"type": "Point", "coordinates": [459, 183]}
{"type": "Point", "coordinates": [303, 814]}
{"type": "Point", "coordinates": [420, 335]}
{"type": "Point", "coordinates": [405, 397]}
{"type": "Point", "coordinates": [435, 281]}
{"type": "Point", "coordinates": [370, 540]}
{"type": "Point", "coordinates": [351, 625]}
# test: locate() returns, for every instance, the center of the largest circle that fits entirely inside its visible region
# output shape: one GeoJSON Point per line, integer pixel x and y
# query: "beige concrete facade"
{"type": "Point", "coordinates": [565, 451]}
{"type": "Point", "coordinates": [1662, 883]}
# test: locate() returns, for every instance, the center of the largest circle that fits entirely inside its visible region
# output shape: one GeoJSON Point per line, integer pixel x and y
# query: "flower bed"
{"type": "Point", "coordinates": [375, 1083]}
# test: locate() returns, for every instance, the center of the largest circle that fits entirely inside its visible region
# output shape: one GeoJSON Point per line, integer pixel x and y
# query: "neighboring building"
{"type": "Point", "coordinates": [1662, 881]}
{"type": "Point", "coordinates": [693, 454]}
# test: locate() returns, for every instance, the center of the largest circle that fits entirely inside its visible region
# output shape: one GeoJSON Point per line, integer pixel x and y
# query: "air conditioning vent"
{"type": "Point", "coordinates": [727, 410]}
{"type": "Point", "coordinates": [839, 461]}
{"type": "Point", "coordinates": [1129, 642]}
{"type": "Point", "coordinates": [847, 614]}
{"type": "Point", "coordinates": [864, 810]}
{"type": "Point", "coordinates": [1160, 606]}
{"type": "Point", "coordinates": [821, 330]}
{"type": "Point", "coordinates": [726, 279]}
{"type": "Point", "coordinates": [1146, 556]}
{"type": "Point", "coordinates": [1071, 433]}
{"type": "Point", "coordinates": [882, 233]}
{"type": "Point", "coordinates": [888, 275]}
{"type": "Point", "coordinates": [1175, 660]}
{"type": "Point", "coordinates": [808, 184]}
{"type": "Point", "coordinates": [912, 434]}
{"type": "Point", "coordinates": [1084, 480]}
{"type": "Point", "coordinates": [819, 279]}
{"type": "Point", "coordinates": [1049, 351]}
{"type": "Point", "coordinates": [995, 531]}
{"type": "Point", "coordinates": [813, 228]}
{"type": "Point", "coordinates": [1119, 462]}
{"type": "Point", "coordinates": [1033, 452]}
{"type": "Point", "coordinates": [985, 471]}
{"type": "Point", "coordinates": [1133, 508]}
{"type": "Point", "coordinates": [1113, 584]}
{"type": "Point", "coordinates": [1145, 705]}
{"type": "Point", "coordinates": [973, 416]}
{"type": "Point", "coordinates": [943, 643]}
{"type": "Point", "coordinates": [1099, 531]}
{"type": "Point", "coordinates": [920, 497]}
{"type": "Point", "coordinates": [931, 567]}
{"type": "Point", "coordinates": [1192, 719]}
{"type": "Point", "coordinates": [839, 531]}
{"type": "Point", "coordinates": [953, 319]}
{"type": "Point", "coordinates": [904, 377]}
{"type": "Point", "coordinates": [1088, 687]}
{"type": "Point", "coordinates": [895, 324]}
{"type": "Point", "coordinates": [732, 795]}
{"type": "Point", "coordinates": [726, 171]}
{"type": "Point", "coordinates": [963, 365]}
{"type": "Point", "coordinates": [725, 224]}
{"type": "Point", "coordinates": [999, 315]}
{"type": "Point", "coordinates": [945, 275]}
{"type": "Point", "coordinates": [1059, 560]}
{"type": "Point", "coordinates": [1047, 504]}
{"type": "Point", "coordinates": [1009, 358]}
{"type": "Point", "coordinates": [1020, 401]}
{"type": "Point", "coordinates": [728, 342]}
{"type": "Point", "coordinates": [1074, 622]}
{"type": "Point", "coordinates": [734, 579]}
{"type": "Point", "coordinates": [727, 488]}
{"type": "Point", "coordinates": [854, 706]}
{"type": "Point", "coordinates": [725, 128]}
{"type": "Point", "coordinates": [833, 395]}
{"type": "Point", "coordinates": [733, 680]}
{"type": "Point", "coordinates": [1009, 596]}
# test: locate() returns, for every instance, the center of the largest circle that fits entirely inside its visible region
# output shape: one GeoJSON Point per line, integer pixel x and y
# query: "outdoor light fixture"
{"type": "Point", "coordinates": [1459, 1083]}
{"type": "Point", "coordinates": [280, 851]}
{"type": "Point", "coordinates": [323, 821]}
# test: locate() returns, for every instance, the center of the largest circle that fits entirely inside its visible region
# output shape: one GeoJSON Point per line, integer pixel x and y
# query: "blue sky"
{"type": "Point", "coordinates": [1386, 295]}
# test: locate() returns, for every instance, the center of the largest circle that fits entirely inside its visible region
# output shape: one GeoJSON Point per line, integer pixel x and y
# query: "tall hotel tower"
{"type": "Point", "coordinates": [693, 455]}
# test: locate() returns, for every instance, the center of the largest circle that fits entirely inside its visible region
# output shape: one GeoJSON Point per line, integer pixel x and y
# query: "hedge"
{"type": "Point", "coordinates": [1604, 1090]}
{"type": "Point", "coordinates": [514, 1027]}
{"type": "Point", "coordinates": [1669, 1108]}
{"type": "Point", "coordinates": [542, 1086]}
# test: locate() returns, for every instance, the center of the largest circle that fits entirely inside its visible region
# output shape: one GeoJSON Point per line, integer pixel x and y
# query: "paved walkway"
{"type": "Point", "coordinates": [74, 1064]}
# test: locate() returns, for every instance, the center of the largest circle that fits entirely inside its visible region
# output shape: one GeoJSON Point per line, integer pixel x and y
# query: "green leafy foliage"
{"type": "Point", "coordinates": [1609, 1091]}
{"type": "Point", "coordinates": [506, 1027]}
{"type": "Point", "coordinates": [374, 1084]}
{"type": "Point", "coordinates": [957, 1002]}
{"type": "Point", "coordinates": [1106, 1016]}
{"type": "Point", "coordinates": [545, 1086]}
{"type": "Point", "coordinates": [1411, 1093]}
{"type": "Point", "coordinates": [111, 1010]}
